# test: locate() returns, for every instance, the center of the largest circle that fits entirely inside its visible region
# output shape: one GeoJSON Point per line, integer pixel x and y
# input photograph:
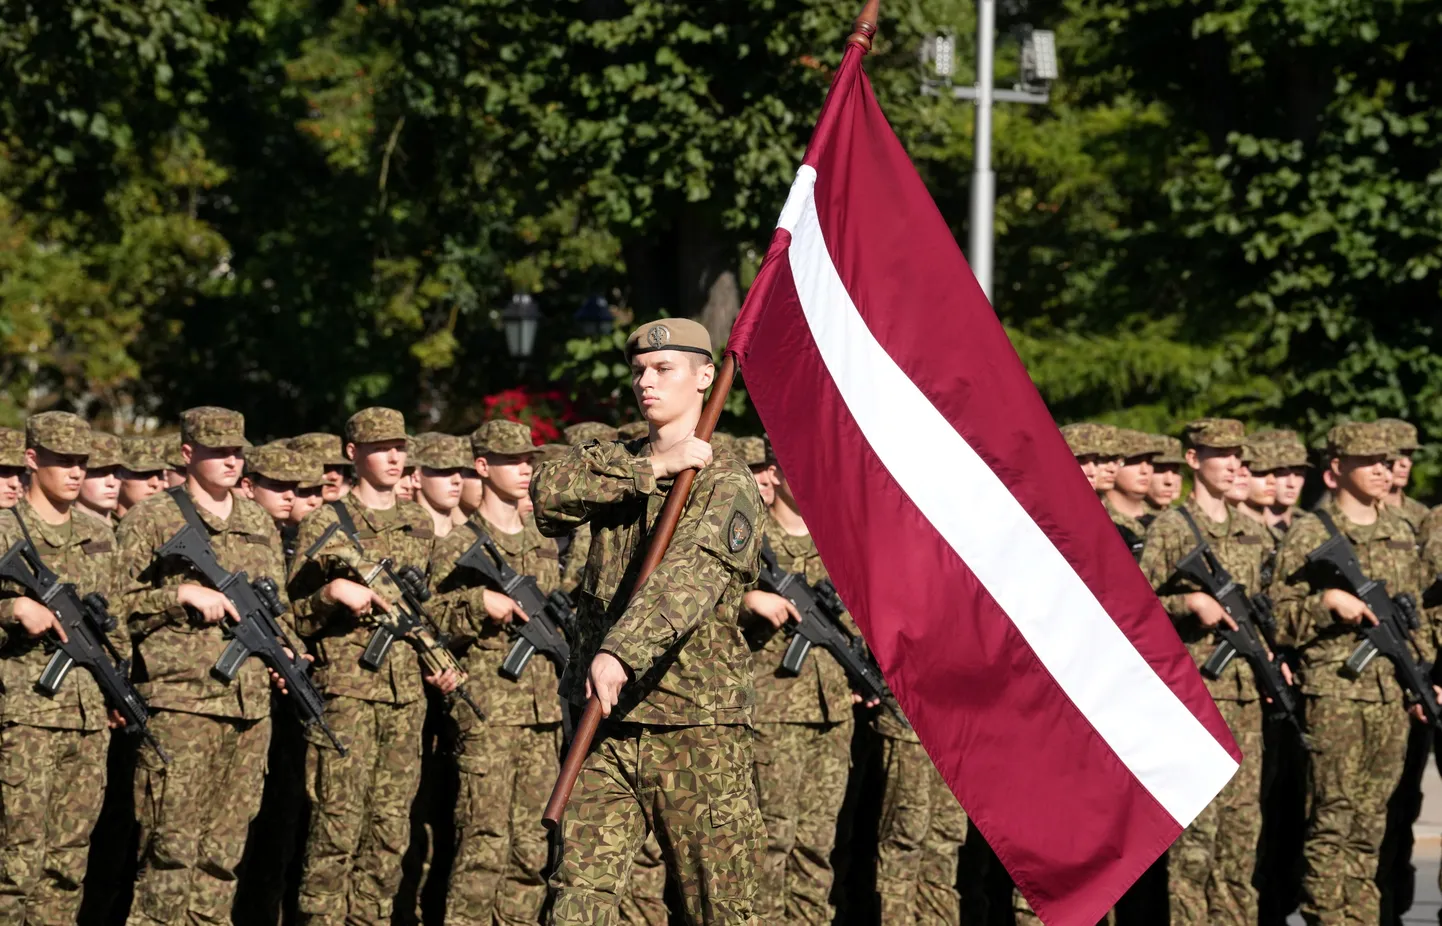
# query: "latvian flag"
{"type": "Point", "coordinates": [1041, 673]}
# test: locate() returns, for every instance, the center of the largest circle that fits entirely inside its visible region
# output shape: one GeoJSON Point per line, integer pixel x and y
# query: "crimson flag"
{"type": "Point", "coordinates": [1021, 640]}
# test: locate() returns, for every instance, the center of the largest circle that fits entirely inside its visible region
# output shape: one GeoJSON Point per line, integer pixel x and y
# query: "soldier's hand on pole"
{"type": "Point", "coordinates": [607, 677]}
{"type": "Point", "coordinates": [691, 453]}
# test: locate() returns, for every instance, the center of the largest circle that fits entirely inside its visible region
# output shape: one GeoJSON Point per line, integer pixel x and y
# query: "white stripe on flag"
{"type": "Point", "coordinates": [1141, 719]}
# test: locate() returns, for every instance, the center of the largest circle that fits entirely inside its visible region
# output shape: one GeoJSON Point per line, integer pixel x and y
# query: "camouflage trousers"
{"type": "Point", "coordinates": [919, 840]}
{"type": "Point", "coordinates": [360, 810]}
{"type": "Point", "coordinates": [506, 775]}
{"type": "Point", "coordinates": [52, 783]}
{"type": "Point", "coordinates": [1358, 751]}
{"type": "Point", "coordinates": [693, 787]}
{"type": "Point", "coordinates": [801, 773]}
{"type": "Point", "coordinates": [1213, 861]}
{"type": "Point", "coordinates": [644, 901]}
{"type": "Point", "coordinates": [194, 815]}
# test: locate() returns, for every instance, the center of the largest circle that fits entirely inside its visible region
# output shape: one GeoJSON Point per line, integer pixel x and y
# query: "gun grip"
{"type": "Point", "coordinates": [377, 649]}
{"type": "Point", "coordinates": [228, 665]}
{"type": "Point", "coordinates": [517, 659]}
{"type": "Point", "coordinates": [1361, 657]}
{"type": "Point", "coordinates": [795, 655]}
{"type": "Point", "coordinates": [54, 675]}
{"type": "Point", "coordinates": [1217, 663]}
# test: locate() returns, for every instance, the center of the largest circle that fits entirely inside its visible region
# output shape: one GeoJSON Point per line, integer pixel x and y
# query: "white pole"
{"type": "Point", "coordinates": [983, 178]}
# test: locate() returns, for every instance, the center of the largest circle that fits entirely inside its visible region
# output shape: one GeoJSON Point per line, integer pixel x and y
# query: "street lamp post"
{"type": "Point", "coordinates": [522, 318]}
{"type": "Point", "coordinates": [1038, 70]}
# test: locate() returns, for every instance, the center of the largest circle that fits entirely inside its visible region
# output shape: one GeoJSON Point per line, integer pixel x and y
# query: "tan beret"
{"type": "Point", "coordinates": [681, 334]}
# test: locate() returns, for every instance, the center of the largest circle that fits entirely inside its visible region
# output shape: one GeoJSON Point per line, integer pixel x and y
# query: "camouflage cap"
{"type": "Point", "coordinates": [589, 430]}
{"type": "Point", "coordinates": [105, 451]}
{"type": "Point", "coordinates": [375, 424]}
{"type": "Point", "coordinates": [12, 447]}
{"type": "Point", "coordinates": [503, 437]}
{"type": "Point", "coordinates": [1359, 439]}
{"type": "Point", "coordinates": [325, 449]}
{"type": "Point", "coordinates": [721, 442]}
{"type": "Point", "coordinates": [435, 450]}
{"type": "Point", "coordinates": [170, 451]}
{"type": "Point", "coordinates": [1169, 450]}
{"type": "Point", "coordinates": [1135, 444]}
{"type": "Point", "coordinates": [1082, 438]}
{"type": "Point", "coordinates": [633, 430]}
{"type": "Point", "coordinates": [210, 426]}
{"type": "Point", "coordinates": [1402, 433]}
{"type": "Point", "coordinates": [753, 451]}
{"type": "Point", "coordinates": [142, 454]}
{"type": "Point", "coordinates": [278, 462]}
{"type": "Point", "coordinates": [548, 452]}
{"type": "Point", "coordinates": [58, 432]}
{"type": "Point", "coordinates": [1248, 454]}
{"type": "Point", "coordinates": [1220, 433]}
{"type": "Point", "coordinates": [1268, 457]}
{"type": "Point", "coordinates": [681, 334]}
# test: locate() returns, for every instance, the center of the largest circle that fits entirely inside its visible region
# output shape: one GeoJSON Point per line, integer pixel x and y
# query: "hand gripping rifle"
{"type": "Point", "coordinates": [821, 608]}
{"type": "Point", "coordinates": [1255, 637]}
{"type": "Point", "coordinates": [549, 618]}
{"type": "Point", "coordinates": [1391, 636]}
{"type": "Point", "coordinates": [87, 621]}
{"type": "Point", "coordinates": [257, 633]}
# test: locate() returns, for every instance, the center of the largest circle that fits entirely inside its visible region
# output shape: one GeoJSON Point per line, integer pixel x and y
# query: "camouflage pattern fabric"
{"type": "Point", "coordinates": [1413, 512]}
{"type": "Point", "coordinates": [506, 775]}
{"type": "Point", "coordinates": [700, 799]}
{"type": "Point", "coordinates": [374, 425]}
{"type": "Point", "coordinates": [508, 763]}
{"type": "Point", "coordinates": [52, 783]}
{"type": "Point", "coordinates": [12, 447]}
{"type": "Point", "coordinates": [459, 610]}
{"type": "Point", "coordinates": [643, 903]}
{"type": "Point", "coordinates": [1242, 545]}
{"type": "Point", "coordinates": [360, 810]}
{"type": "Point", "coordinates": [1387, 552]}
{"type": "Point", "coordinates": [194, 815]}
{"type": "Point", "coordinates": [801, 773]}
{"type": "Point", "coordinates": [403, 534]}
{"type": "Point", "coordinates": [680, 636]}
{"type": "Point", "coordinates": [633, 430]}
{"type": "Point", "coordinates": [175, 652]}
{"type": "Point", "coordinates": [575, 560]}
{"type": "Point", "coordinates": [1137, 528]}
{"type": "Point", "coordinates": [58, 432]}
{"type": "Point", "coordinates": [920, 835]}
{"type": "Point", "coordinates": [210, 426]}
{"type": "Point", "coordinates": [578, 434]}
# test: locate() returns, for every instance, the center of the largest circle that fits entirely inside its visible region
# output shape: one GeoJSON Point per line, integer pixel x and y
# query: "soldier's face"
{"type": "Point", "coordinates": [10, 485]}
{"type": "Point", "coordinates": [57, 475]}
{"type": "Point", "coordinates": [277, 498]}
{"type": "Point", "coordinates": [1368, 478]}
{"type": "Point", "coordinates": [406, 488]}
{"type": "Point", "coordinates": [1289, 485]}
{"type": "Point", "coordinates": [1401, 471]}
{"type": "Point", "coordinates": [1216, 467]}
{"type": "Point", "coordinates": [765, 483]}
{"type": "Point", "coordinates": [380, 463]}
{"type": "Point", "coordinates": [101, 489]}
{"type": "Point", "coordinates": [1088, 464]}
{"type": "Point", "coordinates": [1241, 485]}
{"type": "Point", "coordinates": [1135, 477]}
{"type": "Point", "coordinates": [441, 488]}
{"type": "Point", "coordinates": [507, 475]}
{"type": "Point", "coordinates": [472, 488]}
{"type": "Point", "coordinates": [336, 482]}
{"type": "Point", "coordinates": [1106, 474]}
{"type": "Point", "coordinates": [1262, 489]}
{"type": "Point", "coordinates": [670, 383]}
{"type": "Point", "coordinates": [306, 501]}
{"type": "Point", "coordinates": [1165, 486]}
{"type": "Point", "coordinates": [137, 487]}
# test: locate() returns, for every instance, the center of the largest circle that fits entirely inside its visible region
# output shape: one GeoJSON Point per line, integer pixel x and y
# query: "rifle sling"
{"type": "Point", "coordinates": [347, 524]}
{"type": "Point", "coordinates": [1192, 523]}
{"type": "Point", "coordinates": [1327, 521]}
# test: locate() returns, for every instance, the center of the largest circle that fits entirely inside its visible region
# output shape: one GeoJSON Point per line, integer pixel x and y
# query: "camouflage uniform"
{"type": "Point", "coordinates": [803, 730]}
{"type": "Point", "coordinates": [360, 803]}
{"type": "Point", "coordinates": [1358, 728]}
{"type": "Point", "coordinates": [920, 835]}
{"type": "Point", "coordinates": [676, 756]}
{"type": "Point", "coordinates": [1403, 438]}
{"type": "Point", "coordinates": [633, 430]}
{"type": "Point", "coordinates": [508, 763]}
{"type": "Point", "coordinates": [1213, 860]}
{"type": "Point", "coordinates": [52, 750]}
{"type": "Point", "coordinates": [194, 812]}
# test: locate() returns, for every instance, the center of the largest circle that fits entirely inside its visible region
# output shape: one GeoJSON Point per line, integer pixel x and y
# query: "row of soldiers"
{"type": "Point", "coordinates": [742, 815]}
{"type": "Point", "coordinates": [1360, 755]}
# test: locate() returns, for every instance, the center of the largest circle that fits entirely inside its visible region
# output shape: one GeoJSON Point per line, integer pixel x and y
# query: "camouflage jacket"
{"type": "Point", "coordinates": [575, 559]}
{"type": "Point", "coordinates": [1242, 545]}
{"type": "Point", "coordinates": [404, 534]}
{"type": "Point", "coordinates": [1413, 512]}
{"type": "Point", "coordinates": [821, 693]}
{"type": "Point", "coordinates": [459, 610]}
{"type": "Point", "coordinates": [680, 635]}
{"type": "Point", "coordinates": [1127, 522]}
{"type": "Point", "coordinates": [1429, 526]}
{"type": "Point", "coordinates": [174, 652]}
{"type": "Point", "coordinates": [82, 553]}
{"type": "Point", "coordinates": [1387, 551]}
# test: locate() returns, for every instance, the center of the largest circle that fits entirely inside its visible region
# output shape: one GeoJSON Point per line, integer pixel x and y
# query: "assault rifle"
{"type": "Point", "coordinates": [87, 621]}
{"type": "Point", "coordinates": [1255, 637]}
{"type": "Point", "coordinates": [257, 633]}
{"type": "Point", "coordinates": [821, 608]}
{"type": "Point", "coordinates": [1391, 636]}
{"type": "Point", "coordinates": [549, 618]}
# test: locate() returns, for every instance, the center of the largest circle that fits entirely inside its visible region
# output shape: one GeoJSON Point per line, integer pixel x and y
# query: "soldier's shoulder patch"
{"type": "Point", "coordinates": [739, 531]}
